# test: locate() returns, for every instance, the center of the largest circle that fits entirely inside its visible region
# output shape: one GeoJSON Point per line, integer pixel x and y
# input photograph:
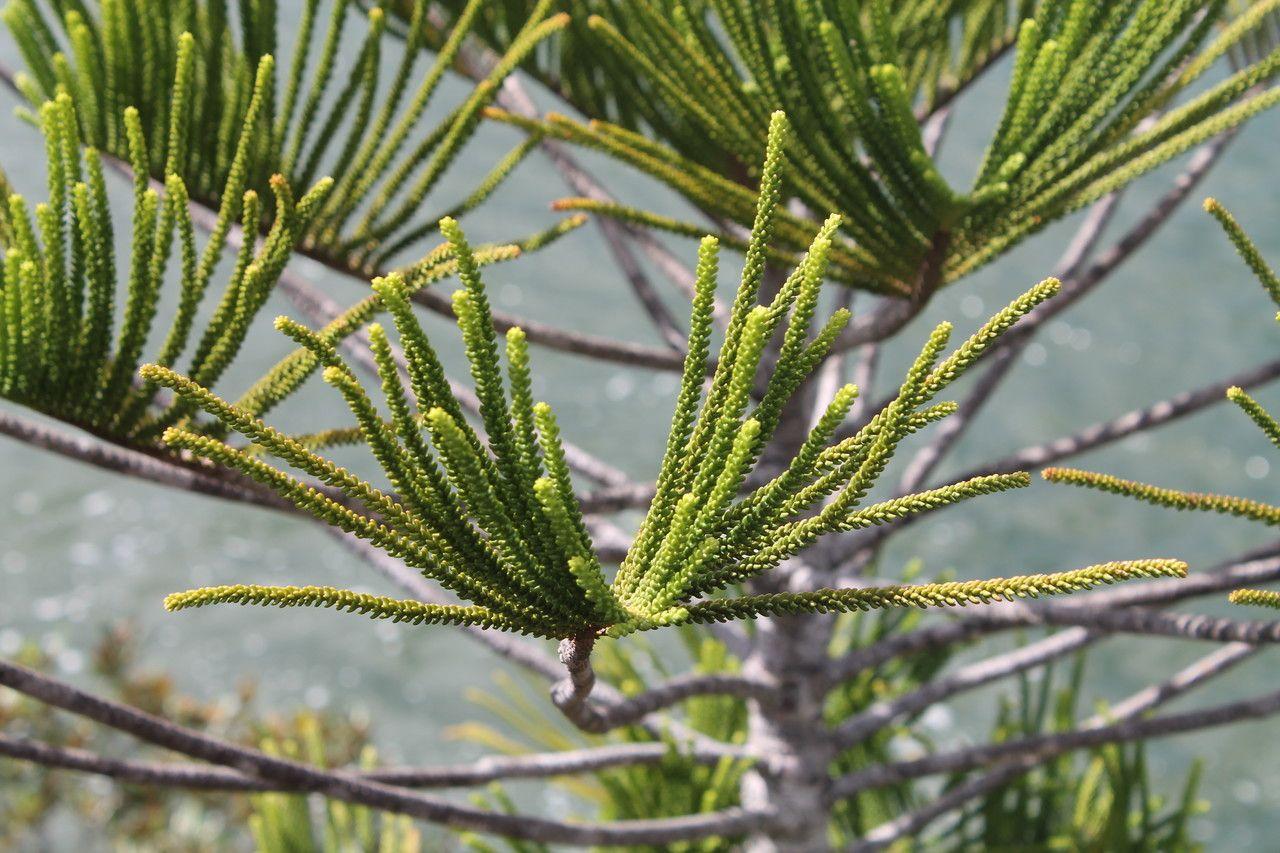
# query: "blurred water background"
{"type": "Point", "coordinates": [80, 547]}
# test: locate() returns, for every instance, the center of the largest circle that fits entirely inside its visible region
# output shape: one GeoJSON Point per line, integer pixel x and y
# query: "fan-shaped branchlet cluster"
{"type": "Point", "coordinates": [497, 522]}
{"type": "Point", "coordinates": [1181, 500]}
{"type": "Point", "coordinates": [1098, 96]}
{"type": "Point", "coordinates": [308, 119]}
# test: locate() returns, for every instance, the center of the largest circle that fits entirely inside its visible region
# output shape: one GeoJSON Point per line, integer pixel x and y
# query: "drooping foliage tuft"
{"type": "Point", "coordinates": [1100, 93]}
{"type": "Point", "coordinates": [197, 75]}
{"type": "Point", "coordinates": [496, 520]}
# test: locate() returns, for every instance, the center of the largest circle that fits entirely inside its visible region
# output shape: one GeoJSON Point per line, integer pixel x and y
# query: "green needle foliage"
{"type": "Point", "coordinates": [497, 521]}
{"type": "Point", "coordinates": [75, 320]}
{"type": "Point", "coordinates": [368, 128]}
{"type": "Point", "coordinates": [217, 136]}
{"type": "Point", "coordinates": [1100, 94]}
{"type": "Point", "coordinates": [1241, 507]}
{"type": "Point", "coordinates": [62, 287]}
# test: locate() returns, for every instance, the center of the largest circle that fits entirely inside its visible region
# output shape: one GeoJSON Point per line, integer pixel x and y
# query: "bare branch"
{"type": "Point", "coordinates": [1049, 745]}
{"type": "Point", "coordinates": [615, 498]}
{"type": "Point", "coordinates": [874, 718]}
{"type": "Point", "coordinates": [492, 768]}
{"type": "Point", "coordinates": [191, 477]}
{"type": "Point", "coordinates": [1138, 420]}
{"type": "Point", "coordinates": [479, 772]}
{"type": "Point", "coordinates": [354, 789]}
{"type": "Point", "coordinates": [565, 340]}
{"type": "Point", "coordinates": [161, 774]}
{"type": "Point", "coordinates": [573, 694]}
{"type": "Point", "coordinates": [935, 130]}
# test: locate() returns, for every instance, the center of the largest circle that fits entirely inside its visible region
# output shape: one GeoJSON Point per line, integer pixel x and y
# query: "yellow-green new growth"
{"type": "Point", "coordinates": [1172, 498]}
{"type": "Point", "coordinates": [496, 520]}
{"type": "Point", "coordinates": [1256, 598]}
{"type": "Point", "coordinates": [373, 606]}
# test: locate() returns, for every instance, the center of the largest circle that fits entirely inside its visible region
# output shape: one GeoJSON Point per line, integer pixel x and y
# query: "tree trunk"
{"type": "Point", "coordinates": [790, 651]}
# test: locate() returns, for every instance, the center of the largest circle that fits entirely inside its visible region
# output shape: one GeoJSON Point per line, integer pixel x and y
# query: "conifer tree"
{"type": "Point", "coordinates": [804, 134]}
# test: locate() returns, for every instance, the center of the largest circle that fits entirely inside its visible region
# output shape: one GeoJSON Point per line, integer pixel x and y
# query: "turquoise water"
{"type": "Point", "coordinates": [79, 547]}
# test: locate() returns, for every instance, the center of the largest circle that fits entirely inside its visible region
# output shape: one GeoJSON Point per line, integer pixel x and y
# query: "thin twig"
{"type": "Point", "coordinates": [489, 768]}
{"type": "Point", "coordinates": [1138, 420]}
{"type": "Point", "coordinates": [862, 725]}
{"type": "Point", "coordinates": [100, 453]}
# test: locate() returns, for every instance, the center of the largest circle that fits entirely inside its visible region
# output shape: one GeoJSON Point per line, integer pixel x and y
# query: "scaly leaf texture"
{"type": "Point", "coordinates": [1171, 498]}
{"type": "Point", "coordinates": [1256, 598]}
{"type": "Point", "coordinates": [497, 522]}
{"type": "Point", "coordinates": [191, 71]}
{"type": "Point", "coordinates": [953, 594]}
{"type": "Point", "coordinates": [1100, 94]}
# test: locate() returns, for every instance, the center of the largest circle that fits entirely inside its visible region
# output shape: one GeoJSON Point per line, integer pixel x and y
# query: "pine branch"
{"type": "Point", "coordinates": [1255, 598]}
{"type": "Point", "coordinates": [954, 594]}
{"type": "Point", "coordinates": [500, 524]}
{"type": "Point", "coordinates": [374, 606]}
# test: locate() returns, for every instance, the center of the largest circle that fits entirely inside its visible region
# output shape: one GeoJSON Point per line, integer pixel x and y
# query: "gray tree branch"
{"type": "Point", "coordinates": [354, 789]}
